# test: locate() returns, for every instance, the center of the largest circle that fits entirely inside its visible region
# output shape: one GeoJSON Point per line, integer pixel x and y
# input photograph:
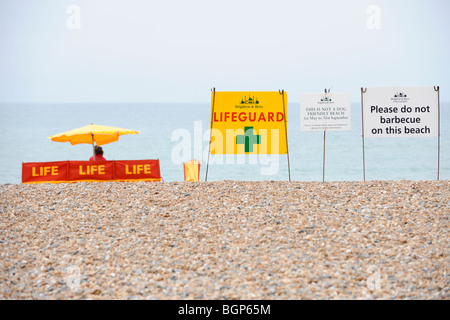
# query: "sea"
{"type": "Point", "coordinates": [178, 132]}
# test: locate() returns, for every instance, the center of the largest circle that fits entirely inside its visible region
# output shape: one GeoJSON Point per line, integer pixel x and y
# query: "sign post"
{"type": "Point", "coordinates": [363, 90]}
{"type": "Point", "coordinates": [325, 112]}
{"type": "Point", "coordinates": [323, 161]}
{"type": "Point", "coordinates": [439, 131]}
{"type": "Point", "coordinates": [213, 99]}
{"type": "Point", "coordinates": [285, 130]}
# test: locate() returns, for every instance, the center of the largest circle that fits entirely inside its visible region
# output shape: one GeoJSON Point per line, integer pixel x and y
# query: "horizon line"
{"type": "Point", "coordinates": [129, 102]}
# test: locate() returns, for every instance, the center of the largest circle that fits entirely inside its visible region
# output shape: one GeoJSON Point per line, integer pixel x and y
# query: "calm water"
{"type": "Point", "coordinates": [174, 133]}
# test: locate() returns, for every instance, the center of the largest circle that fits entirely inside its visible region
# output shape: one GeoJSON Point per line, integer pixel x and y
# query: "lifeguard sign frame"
{"type": "Point", "coordinates": [230, 112]}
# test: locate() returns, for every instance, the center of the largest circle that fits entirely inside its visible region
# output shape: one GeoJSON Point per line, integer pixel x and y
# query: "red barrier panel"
{"type": "Point", "coordinates": [91, 170]}
{"type": "Point", "coordinates": [45, 171]}
{"type": "Point", "coordinates": [137, 170]}
{"type": "Point", "coordinates": [77, 171]}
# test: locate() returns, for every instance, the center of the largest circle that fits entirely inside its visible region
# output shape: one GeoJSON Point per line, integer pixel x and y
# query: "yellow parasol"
{"type": "Point", "coordinates": [92, 134]}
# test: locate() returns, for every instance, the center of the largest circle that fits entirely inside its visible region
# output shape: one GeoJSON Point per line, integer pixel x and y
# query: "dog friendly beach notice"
{"type": "Point", "coordinates": [325, 111]}
{"type": "Point", "coordinates": [400, 112]}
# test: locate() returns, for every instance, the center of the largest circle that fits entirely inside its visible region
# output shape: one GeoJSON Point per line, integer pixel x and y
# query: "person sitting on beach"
{"type": "Point", "coordinates": [98, 154]}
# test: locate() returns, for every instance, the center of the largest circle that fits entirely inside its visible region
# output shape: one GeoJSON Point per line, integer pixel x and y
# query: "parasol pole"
{"type": "Point", "coordinates": [93, 145]}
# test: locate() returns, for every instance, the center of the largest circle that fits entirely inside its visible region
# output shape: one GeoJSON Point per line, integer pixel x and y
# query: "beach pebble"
{"type": "Point", "coordinates": [225, 240]}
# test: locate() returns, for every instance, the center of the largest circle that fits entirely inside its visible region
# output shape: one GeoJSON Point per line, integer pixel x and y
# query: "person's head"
{"type": "Point", "coordinates": [98, 150]}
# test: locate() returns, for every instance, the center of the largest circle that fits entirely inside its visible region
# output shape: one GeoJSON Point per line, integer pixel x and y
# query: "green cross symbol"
{"type": "Point", "coordinates": [248, 139]}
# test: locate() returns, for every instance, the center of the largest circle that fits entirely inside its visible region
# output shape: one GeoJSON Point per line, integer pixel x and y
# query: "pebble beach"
{"type": "Point", "coordinates": [225, 240]}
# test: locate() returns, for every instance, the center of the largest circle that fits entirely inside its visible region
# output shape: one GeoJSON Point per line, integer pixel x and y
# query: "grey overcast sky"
{"type": "Point", "coordinates": [176, 51]}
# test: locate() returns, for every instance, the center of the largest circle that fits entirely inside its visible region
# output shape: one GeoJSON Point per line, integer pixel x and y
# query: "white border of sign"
{"type": "Point", "coordinates": [403, 112]}
{"type": "Point", "coordinates": [419, 103]}
{"type": "Point", "coordinates": [325, 112]}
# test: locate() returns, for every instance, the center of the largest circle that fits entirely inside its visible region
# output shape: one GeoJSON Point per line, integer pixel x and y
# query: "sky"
{"type": "Point", "coordinates": [144, 51]}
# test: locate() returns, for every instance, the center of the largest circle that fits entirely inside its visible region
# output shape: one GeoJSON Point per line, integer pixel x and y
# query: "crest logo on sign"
{"type": "Point", "coordinates": [325, 97]}
{"type": "Point", "coordinates": [250, 100]}
{"type": "Point", "coordinates": [400, 96]}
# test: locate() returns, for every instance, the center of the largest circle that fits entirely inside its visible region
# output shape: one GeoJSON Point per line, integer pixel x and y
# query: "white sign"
{"type": "Point", "coordinates": [325, 111]}
{"type": "Point", "coordinates": [400, 112]}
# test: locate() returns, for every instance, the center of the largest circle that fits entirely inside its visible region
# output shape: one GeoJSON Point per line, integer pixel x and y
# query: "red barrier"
{"type": "Point", "coordinates": [56, 171]}
{"type": "Point", "coordinates": [136, 170]}
{"type": "Point", "coordinates": [77, 171]}
{"type": "Point", "coordinates": [91, 170]}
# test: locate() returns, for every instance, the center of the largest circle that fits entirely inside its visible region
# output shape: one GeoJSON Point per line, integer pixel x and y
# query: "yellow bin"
{"type": "Point", "coordinates": [192, 170]}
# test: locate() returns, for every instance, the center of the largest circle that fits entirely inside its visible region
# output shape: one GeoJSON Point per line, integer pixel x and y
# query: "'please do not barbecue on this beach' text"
{"type": "Point", "coordinates": [399, 121]}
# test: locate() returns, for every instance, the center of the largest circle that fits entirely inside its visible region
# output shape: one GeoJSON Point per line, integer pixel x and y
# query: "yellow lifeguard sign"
{"type": "Point", "coordinates": [248, 122]}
